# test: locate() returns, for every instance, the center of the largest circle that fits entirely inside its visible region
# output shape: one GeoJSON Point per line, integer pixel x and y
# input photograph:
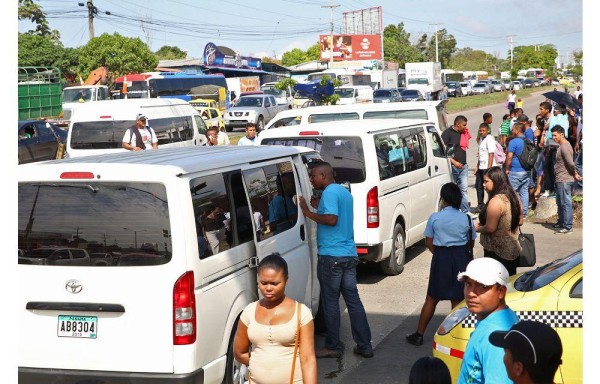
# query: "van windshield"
{"type": "Point", "coordinates": [345, 154]}
{"type": "Point", "coordinates": [129, 222]}
{"type": "Point", "coordinates": [344, 93]}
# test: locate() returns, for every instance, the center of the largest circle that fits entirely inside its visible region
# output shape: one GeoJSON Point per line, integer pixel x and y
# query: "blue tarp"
{"type": "Point", "coordinates": [314, 90]}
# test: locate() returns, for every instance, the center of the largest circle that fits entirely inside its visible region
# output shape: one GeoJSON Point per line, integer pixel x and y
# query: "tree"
{"type": "Point", "coordinates": [293, 57]}
{"type": "Point", "coordinates": [397, 47]}
{"type": "Point", "coordinates": [578, 67]}
{"type": "Point", "coordinates": [38, 50]}
{"type": "Point", "coordinates": [120, 55]}
{"type": "Point", "coordinates": [29, 10]}
{"type": "Point", "coordinates": [532, 56]}
{"type": "Point", "coordinates": [467, 59]}
{"type": "Point", "coordinates": [446, 47]}
{"type": "Point", "coordinates": [167, 52]}
{"type": "Point", "coordinates": [313, 52]}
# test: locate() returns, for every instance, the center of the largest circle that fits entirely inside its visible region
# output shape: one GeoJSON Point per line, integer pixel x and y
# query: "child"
{"type": "Point", "coordinates": [487, 119]}
{"type": "Point", "coordinates": [519, 103]}
{"type": "Point", "coordinates": [505, 128]}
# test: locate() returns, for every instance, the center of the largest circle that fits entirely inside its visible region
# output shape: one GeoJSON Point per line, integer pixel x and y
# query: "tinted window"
{"type": "Point", "coordinates": [577, 290]}
{"type": "Point", "coordinates": [287, 121]}
{"type": "Point", "coordinates": [546, 274]}
{"type": "Point", "coordinates": [405, 114]}
{"type": "Point", "coordinates": [183, 85]}
{"type": "Point", "coordinates": [200, 124]}
{"type": "Point", "coordinates": [319, 118]}
{"type": "Point", "coordinates": [345, 154]}
{"type": "Point", "coordinates": [126, 219]}
{"type": "Point", "coordinates": [382, 93]}
{"type": "Point", "coordinates": [400, 151]}
{"type": "Point", "coordinates": [436, 143]}
{"type": "Point", "coordinates": [409, 92]}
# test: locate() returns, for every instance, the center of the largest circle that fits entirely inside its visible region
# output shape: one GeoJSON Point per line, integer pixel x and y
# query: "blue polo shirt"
{"type": "Point", "coordinates": [449, 228]}
{"type": "Point", "coordinates": [482, 362]}
{"type": "Point", "coordinates": [516, 146]}
{"type": "Point", "coordinates": [336, 240]}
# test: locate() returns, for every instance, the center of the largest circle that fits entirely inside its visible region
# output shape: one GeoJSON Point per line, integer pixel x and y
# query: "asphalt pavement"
{"type": "Point", "coordinates": [393, 355]}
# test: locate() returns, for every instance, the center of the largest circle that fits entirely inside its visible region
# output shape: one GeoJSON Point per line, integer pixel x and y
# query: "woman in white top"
{"type": "Point", "coordinates": [512, 100]}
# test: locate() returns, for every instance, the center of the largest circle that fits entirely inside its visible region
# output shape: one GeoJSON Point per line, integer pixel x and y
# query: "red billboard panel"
{"type": "Point", "coordinates": [350, 47]}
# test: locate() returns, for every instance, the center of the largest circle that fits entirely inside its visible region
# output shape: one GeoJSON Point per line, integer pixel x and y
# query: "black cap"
{"type": "Point", "coordinates": [533, 343]}
{"type": "Point", "coordinates": [523, 118]}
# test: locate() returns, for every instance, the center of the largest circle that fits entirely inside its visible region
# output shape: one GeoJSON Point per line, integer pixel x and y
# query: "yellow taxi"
{"type": "Point", "coordinates": [204, 103]}
{"type": "Point", "coordinates": [552, 293]}
{"type": "Point", "coordinates": [212, 116]}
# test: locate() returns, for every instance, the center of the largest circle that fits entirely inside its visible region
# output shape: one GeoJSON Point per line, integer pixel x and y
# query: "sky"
{"type": "Point", "coordinates": [272, 27]}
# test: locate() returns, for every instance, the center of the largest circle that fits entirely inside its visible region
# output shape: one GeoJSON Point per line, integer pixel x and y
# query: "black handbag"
{"type": "Point", "coordinates": [527, 255]}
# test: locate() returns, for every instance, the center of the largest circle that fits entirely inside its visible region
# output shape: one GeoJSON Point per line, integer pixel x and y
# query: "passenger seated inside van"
{"type": "Point", "coordinates": [282, 209]}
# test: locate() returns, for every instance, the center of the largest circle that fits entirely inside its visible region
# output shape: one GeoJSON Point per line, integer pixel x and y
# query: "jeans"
{"type": "Point", "coordinates": [579, 167]}
{"type": "Point", "coordinates": [479, 186]}
{"type": "Point", "coordinates": [338, 275]}
{"type": "Point", "coordinates": [564, 204]}
{"type": "Point", "coordinates": [549, 169]}
{"type": "Point", "coordinates": [461, 178]}
{"type": "Point", "coordinates": [520, 184]}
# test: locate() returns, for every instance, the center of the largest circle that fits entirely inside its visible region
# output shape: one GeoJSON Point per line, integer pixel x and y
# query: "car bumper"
{"type": "Point", "coordinates": [69, 376]}
{"type": "Point", "coordinates": [241, 123]}
{"type": "Point", "coordinates": [369, 252]}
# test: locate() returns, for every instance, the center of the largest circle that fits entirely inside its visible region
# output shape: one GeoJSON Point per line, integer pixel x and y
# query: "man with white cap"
{"type": "Point", "coordinates": [140, 136]}
{"type": "Point", "coordinates": [532, 352]}
{"type": "Point", "coordinates": [486, 282]}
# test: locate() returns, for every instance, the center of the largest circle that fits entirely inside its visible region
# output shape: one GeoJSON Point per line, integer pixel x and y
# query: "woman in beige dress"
{"type": "Point", "coordinates": [500, 219]}
{"type": "Point", "coordinates": [269, 327]}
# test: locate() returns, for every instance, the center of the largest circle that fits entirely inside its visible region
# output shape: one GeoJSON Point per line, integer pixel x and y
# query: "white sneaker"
{"type": "Point", "coordinates": [546, 194]}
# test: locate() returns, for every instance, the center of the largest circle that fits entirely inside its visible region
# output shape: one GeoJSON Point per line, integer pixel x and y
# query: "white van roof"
{"type": "Point", "coordinates": [175, 160]}
{"type": "Point", "coordinates": [125, 109]}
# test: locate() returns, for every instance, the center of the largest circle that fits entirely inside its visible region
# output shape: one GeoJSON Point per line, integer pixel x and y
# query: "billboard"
{"type": "Point", "coordinates": [214, 57]}
{"type": "Point", "coordinates": [350, 47]}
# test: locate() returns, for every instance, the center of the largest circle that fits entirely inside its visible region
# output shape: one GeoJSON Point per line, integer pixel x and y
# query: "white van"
{"type": "Point", "coordinates": [352, 94]}
{"type": "Point", "coordinates": [395, 169]}
{"type": "Point", "coordinates": [165, 305]}
{"type": "Point", "coordinates": [98, 128]}
{"type": "Point", "coordinates": [434, 111]}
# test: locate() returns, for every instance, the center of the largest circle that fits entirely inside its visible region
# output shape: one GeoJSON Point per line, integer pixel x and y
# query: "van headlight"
{"type": "Point", "coordinates": [452, 320]}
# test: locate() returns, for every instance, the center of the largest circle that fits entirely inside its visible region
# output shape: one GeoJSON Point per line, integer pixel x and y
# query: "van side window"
{"type": "Point", "coordinates": [400, 152]}
{"type": "Point", "coordinates": [173, 129]}
{"type": "Point", "coordinates": [322, 117]}
{"type": "Point", "coordinates": [420, 147]}
{"type": "Point", "coordinates": [436, 143]}
{"type": "Point", "coordinates": [272, 192]}
{"type": "Point", "coordinates": [200, 124]}
{"type": "Point", "coordinates": [407, 114]}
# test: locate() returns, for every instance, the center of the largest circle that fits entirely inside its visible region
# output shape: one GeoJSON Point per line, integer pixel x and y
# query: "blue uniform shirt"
{"type": "Point", "coordinates": [516, 146]}
{"type": "Point", "coordinates": [337, 240]}
{"type": "Point", "coordinates": [449, 228]}
{"type": "Point", "coordinates": [482, 362]}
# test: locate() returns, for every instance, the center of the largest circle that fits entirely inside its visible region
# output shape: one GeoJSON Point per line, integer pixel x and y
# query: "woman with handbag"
{"type": "Point", "coordinates": [500, 220]}
{"type": "Point", "coordinates": [279, 330]}
{"type": "Point", "coordinates": [450, 236]}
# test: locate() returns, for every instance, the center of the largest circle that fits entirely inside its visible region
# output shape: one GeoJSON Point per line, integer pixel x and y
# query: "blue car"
{"type": "Point", "coordinates": [39, 140]}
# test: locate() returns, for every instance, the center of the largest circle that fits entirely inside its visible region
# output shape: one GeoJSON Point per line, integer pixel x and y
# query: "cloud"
{"type": "Point", "coordinates": [471, 24]}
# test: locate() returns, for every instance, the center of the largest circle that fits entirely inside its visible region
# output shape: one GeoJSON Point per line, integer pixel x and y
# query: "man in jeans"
{"type": "Point", "coordinates": [337, 260]}
{"type": "Point", "coordinates": [517, 175]}
{"type": "Point", "coordinates": [566, 174]}
{"type": "Point", "coordinates": [458, 158]}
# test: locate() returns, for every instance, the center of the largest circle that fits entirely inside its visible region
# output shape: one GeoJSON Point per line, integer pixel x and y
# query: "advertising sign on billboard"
{"type": "Point", "coordinates": [350, 47]}
{"type": "Point", "coordinates": [216, 58]}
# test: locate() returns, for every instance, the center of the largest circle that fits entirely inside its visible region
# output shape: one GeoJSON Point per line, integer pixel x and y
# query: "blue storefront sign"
{"type": "Point", "coordinates": [215, 58]}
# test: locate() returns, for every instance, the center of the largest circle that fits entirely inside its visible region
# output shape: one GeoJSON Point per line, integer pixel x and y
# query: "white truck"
{"type": "Point", "coordinates": [77, 95]}
{"type": "Point", "coordinates": [284, 97]}
{"type": "Point", "coordinates": [384, 78]}
{"type": "Point", "coordinates": [426, 77]}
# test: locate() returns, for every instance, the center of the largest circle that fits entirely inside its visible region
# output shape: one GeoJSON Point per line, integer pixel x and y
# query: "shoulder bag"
{"type": "Point", "coordinates": [296, 343]}
{"type": "Point", "coordinates": [527, 256]}
{"type": "Point", "coordinates": [470, 236]}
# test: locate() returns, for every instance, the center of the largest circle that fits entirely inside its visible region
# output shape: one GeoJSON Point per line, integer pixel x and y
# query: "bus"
{"type": "Point", "coordinates": [346, 76]}
{"type": "Point", "coordinates": [451, 75]}
{"type": "Point", "coordinates": [535, 73]}
{"type": "Point", "coordinates": [185, 86]}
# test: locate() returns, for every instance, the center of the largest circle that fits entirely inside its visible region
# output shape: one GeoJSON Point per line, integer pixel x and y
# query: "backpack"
{"type": "Point", "coordinates": [529, 156]}
{"type": "Point", "coordinates": [499, 155]}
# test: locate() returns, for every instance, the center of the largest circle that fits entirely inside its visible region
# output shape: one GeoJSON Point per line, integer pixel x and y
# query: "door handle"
{"type": "Point", "coordinates": [429, 170]}
{"type": "Point", "coordinates": [302, 233]}
{"type": "Point", "coordinates": [436, 169]}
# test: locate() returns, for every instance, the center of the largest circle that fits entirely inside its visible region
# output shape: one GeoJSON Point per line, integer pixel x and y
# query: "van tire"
{"type": "Point", "coordinates": [233, 368]}
{"type": "Point", "coordinates": [394, 265]}
{"type": "Point", "coordinates": [260, 124]}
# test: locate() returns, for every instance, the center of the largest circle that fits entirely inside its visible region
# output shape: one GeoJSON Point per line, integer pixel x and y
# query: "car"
{"type": "Point", "coordinates": [517, 85]}
{"type": "Point", "coordinates": [555, 81]}
{"type": "Point", "coordinates": [552, 293]}
{"type": "Point", "coordinates": [454, 89]}
{"type": "Point", "coordinates": [39, 141]}
{"type": "Point", "coordinates": [204, 103]}
{"type": "Point", "coordinates": [480, 88]}
{"type": "Point", "coordinates": [212, 116]}
{"type": "Point", "coordinates": [386, 95]}
{"type": "Point", "coordinates": [508, 85]}
{"type": "Point", "coordinates": [56, 256]}
{"type": "Point", "coordinates": [538, 82]}
{"type": "Point", "coordinates": [528, 83]}
{"type": "Point", "coordinates": [309, 103]}
{"type": "Point", "coordinates": [257, 108]}
{"type": "Point", "coordinates": [412, 95]}
{"type": "Point", "coordinates": [498, 86]}
{"type": "Point", "coordinates": [488, 84]}
{"type": "Point", "coordinates": [466, 88]}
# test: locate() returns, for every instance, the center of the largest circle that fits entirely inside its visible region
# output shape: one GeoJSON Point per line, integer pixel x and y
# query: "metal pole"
{"type": "Point", "coordinates": [330, 6]}
{"type": "Point", "coordinates": [91, 11]}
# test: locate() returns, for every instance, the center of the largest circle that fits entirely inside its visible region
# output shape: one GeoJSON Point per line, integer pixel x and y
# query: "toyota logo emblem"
{"type": "Point", "coordinates": [73, 286]}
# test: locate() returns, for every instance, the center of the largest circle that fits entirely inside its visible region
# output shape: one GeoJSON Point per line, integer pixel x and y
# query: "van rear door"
{"type": "Point", "coordinates": [95, 316]}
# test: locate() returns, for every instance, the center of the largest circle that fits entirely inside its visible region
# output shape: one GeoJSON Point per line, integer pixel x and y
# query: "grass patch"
{"type": "Point", "coordinates": [460, 104]}
{"type": "Point", "coordinates": [233, 139]}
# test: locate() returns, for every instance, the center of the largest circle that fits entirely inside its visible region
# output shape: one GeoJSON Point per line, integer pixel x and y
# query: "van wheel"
{"type": "Point", "coordinates": [260, 124]}
{"type": "Point", "coordinates": [394, 265]}
{"type": "Point", "coordinates": [235, 372]}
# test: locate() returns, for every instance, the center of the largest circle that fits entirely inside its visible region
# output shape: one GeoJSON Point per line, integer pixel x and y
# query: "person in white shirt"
{"type": "Point", "coordinates": [216, 137]}
{"type": "Point", "coordinates": [577, 93]}
{"type": "Point", "coordinates": [487, 146]}
{"type": "Point", "coordinates": [250, 138]}
{"type": "Point", "coordinates": [140, 136]}
{"type": "Point", "coordinates": [512, 100]}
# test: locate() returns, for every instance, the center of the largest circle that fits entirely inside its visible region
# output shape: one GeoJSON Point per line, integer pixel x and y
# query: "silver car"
{"type": "Point", "coordinates": [480, 88]}
{"type": "Point", "coordinates": [466, 88]}
{"type": "Point", "coordinates": [498, 86]}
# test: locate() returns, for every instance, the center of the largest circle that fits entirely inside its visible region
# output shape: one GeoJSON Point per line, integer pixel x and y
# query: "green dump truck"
{"type": "Point", "coordinates": [40, 93]}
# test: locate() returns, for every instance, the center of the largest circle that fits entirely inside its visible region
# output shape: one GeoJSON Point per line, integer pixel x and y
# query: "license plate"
{"type": "Point", "coordinates": [77, 326]}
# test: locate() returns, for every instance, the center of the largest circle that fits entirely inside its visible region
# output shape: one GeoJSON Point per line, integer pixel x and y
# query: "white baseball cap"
{"type": "Point", "coordinates": [486, 271]}
{"type": "Point", "coordinates": [141, 116]}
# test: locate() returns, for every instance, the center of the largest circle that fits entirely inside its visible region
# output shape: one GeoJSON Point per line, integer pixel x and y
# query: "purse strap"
{"type": "Point", "coordinates": [296, 343]}
{"type": "Point", "coordinates": [470, 234]}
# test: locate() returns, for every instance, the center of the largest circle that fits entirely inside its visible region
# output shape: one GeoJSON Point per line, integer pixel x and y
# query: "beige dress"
{"type": "Point", "coordinates": [503, 242]}
{"type": "Point", "coordinates": [273, 347]}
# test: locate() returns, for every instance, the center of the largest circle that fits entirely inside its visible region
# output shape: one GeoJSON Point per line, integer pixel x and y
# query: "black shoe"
{"type": "Point", "coordinates": [365, 354]}
{"type": "Point", "coordinates": [415, 339]}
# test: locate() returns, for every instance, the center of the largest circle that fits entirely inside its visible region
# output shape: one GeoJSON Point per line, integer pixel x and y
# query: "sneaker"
{"type": "Point", "coordinates": [546, 194]}
{"type": "Point", "coordinates": [415, 339]}
{"type": "Point", "coordinates": [365, 354]}
{"type": "Point", "coordinates": [564, 231]}
{"type": "Point", "coordinates": [557, 226]}
{"type": "Point", "coordinates": [328, 353]}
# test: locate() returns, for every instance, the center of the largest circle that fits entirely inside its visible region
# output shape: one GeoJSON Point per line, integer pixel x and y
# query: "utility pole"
{"type": "Point", "coordinates": [511, 51]}
{"type": "Point", "coordinates": [330, 6]}
{"type": "Point", "coordinates": [436, 42]}
{"type": "Point", "coordinates": [92, 11]}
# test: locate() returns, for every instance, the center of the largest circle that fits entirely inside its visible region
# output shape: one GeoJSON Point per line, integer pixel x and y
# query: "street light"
{"type": "Point", "coordinates": [134, 235]}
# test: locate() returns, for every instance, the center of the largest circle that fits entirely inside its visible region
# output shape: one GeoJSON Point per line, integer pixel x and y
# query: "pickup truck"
{"type": "Point", "coordinates": [258, 109]}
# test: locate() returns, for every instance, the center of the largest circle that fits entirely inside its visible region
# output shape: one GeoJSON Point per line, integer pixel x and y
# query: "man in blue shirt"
{"type": "Point", "coordinates": [486, 283]}
{"type": "Point", "coordinates": [517, 175]}
{"type": "Point", "coordinates": [337, 260]}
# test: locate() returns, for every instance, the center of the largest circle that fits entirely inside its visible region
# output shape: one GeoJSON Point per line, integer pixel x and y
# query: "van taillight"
{"type": "Point", "coordinates": [77, 175]}
{"type": "Point", "coordinates": [309, 133]}
{"type": "Point", "coordinates": [184, 310]}
{"type": "Point", "coordinates": [373, 208]}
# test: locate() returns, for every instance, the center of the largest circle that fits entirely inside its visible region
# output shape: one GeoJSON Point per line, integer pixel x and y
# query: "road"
{"type": "Point", "coordinates": [393, 303]}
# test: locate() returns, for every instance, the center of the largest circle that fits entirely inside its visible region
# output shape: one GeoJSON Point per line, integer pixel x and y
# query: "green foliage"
{"type": "Point", "coordinates": [332, 99]}
{"type": "Point", "coordinates": [577, 199]}
{"type": "Point", "coordinates": [167, 52]}
{"type": "Point", "coordinates": [38, 50]}
{"type": "Point", "coordinates": [120, 55]}
{"type": "Point", "coordinates": [285, 83]}
{"type": "Point", "coordinates": [468, 59]}
{"type": "Point", "coordinates": [397, 47]}
{"type": "Point", "coordinates": [313, 52]}
{"type": "Point", "coordinates": [29, 10]}
{"type": "Point", "coordinates": [298, 56]}
{"type": "Point", "coordinates": [531, 56]}
{"type": "Point", "coordinates": [446, 47]}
